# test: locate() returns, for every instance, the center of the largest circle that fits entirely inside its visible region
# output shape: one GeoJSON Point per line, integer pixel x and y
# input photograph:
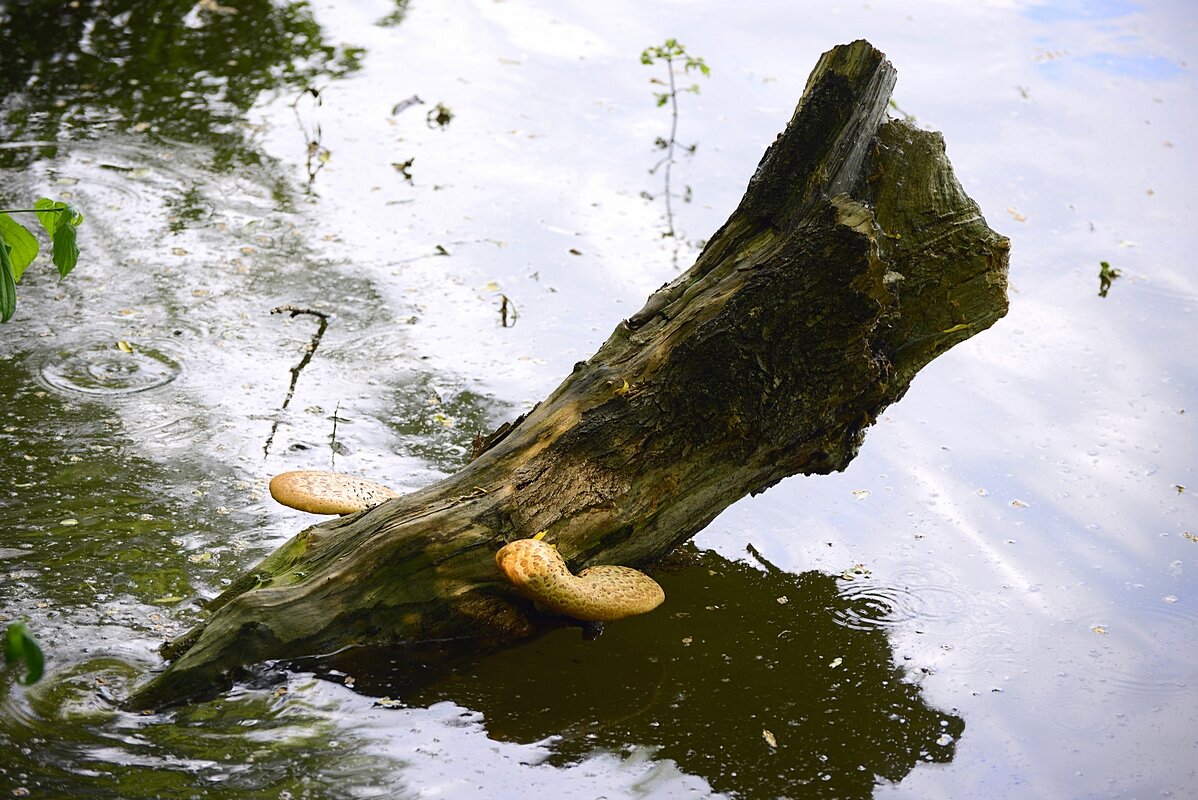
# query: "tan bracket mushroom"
{"type": "Point", "coordinates": [597, 594]}
{"type": "Point", "coordinates": [320, 492]}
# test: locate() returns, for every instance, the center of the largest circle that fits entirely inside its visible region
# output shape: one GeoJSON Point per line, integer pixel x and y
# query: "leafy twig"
{"type": "Point", "coordinates": [18, 246]}
{"type": "Point", "coordinates": [672, 52]}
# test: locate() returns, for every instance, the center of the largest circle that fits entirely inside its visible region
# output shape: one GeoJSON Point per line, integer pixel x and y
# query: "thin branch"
{"type": "Point", "coordinates": [670, 147]}
{"type": "Point", "coordinates": [333, 437]}
{"type": "Point", "coordinates": [309, 351]}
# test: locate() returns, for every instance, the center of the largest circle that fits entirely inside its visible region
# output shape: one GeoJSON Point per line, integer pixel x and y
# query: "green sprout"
{"type": "Point", "coordinates": [674, 55]}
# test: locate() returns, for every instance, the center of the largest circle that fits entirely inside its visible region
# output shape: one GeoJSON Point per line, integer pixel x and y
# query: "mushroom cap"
{"type": "Point", "coordinates": [320, 492]}
{"type": "Point", "coordinates": [597, 594]}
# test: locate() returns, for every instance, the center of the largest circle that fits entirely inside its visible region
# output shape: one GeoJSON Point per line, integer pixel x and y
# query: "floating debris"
{"type": "Point", "coordinates": [404, 105]}
{"type": "Point", "coordinates": [507, 311]}
{"type": "Point", "coordinates": [439, 117]}
{"type": "Point", "coordinates": [1106, 276]}
{"type": "Point", "coordinates": [404, 168]}
{"type": "Point", "coordinates": [856, 571]}
{"type": "Point", "coordinates": [387, 702]}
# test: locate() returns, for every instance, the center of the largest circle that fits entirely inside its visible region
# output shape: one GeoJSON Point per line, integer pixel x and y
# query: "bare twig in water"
{"type": "Point", "coordinates": [762, 560]}
{"type": "Point", "coordinates": [507, 312]}
{"type": "Point", "coordinates": [309, 351]}
{"type": "Point", "coordinates": [333, 437]}
{"type": "Point", "coordinates": [404, 105]}
{"type": "Point", "coordinates": [312, 135]}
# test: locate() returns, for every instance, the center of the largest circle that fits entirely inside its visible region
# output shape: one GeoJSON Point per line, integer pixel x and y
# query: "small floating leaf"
{"type": "Point", "coordinates": [769, 737]}
{"type": "Point", "coordinates": [124, 346]}
{"type": "Point", "coordinates": [836, 662]}
{"type": "Point", "coordinates": [1100, 629]}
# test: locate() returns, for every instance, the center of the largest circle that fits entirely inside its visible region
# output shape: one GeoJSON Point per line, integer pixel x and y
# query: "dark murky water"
{"type": "Point", "coordinates": [997, 599]}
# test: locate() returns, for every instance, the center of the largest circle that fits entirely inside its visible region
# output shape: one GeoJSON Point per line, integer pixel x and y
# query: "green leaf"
{"type": "Point", "coordinates": [23, 243]}
{"type": "Point", "coordinates": [8, 285]}
{"type": "Point", "coordinates": [74, 216]}
{"type": "Point", "coordinates": [49, 218]}
{"type": "Point", "coordinates": [19, 645]}
{"type": "Point", "coordinates": [60, 221]}
{"type": "Point", "coordinates": [66, 251]}
{"type": "Point", "coordinates": [662, 99]}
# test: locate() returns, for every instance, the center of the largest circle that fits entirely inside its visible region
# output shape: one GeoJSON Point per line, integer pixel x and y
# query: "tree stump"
{"type": "Point", "coordinates": [853, 260]}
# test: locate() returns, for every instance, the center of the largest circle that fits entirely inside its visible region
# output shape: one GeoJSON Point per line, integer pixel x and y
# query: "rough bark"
{"type": "Point", "coordinates": [854, 259]}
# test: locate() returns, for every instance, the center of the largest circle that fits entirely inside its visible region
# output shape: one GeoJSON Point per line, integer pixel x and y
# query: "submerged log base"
{"type": "Point", "coordinates": [853, 260]}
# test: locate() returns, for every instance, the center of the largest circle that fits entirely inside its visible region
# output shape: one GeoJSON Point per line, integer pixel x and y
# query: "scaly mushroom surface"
{"type": "Point", "coordinates": [320, 492]}
{"type": "Point", "coordinates": [597, 594]}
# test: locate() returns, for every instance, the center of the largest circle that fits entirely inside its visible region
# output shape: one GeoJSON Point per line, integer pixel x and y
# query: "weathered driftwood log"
{"type": "Point", "coordinates": [854, 259]}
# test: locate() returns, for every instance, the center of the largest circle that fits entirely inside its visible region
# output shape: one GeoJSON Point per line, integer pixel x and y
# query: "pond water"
{"type": "Point", "coordinates": [997, 598]}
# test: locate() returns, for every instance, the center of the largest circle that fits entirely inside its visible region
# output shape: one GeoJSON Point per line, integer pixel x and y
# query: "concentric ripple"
{"type": "Point", "coordinates": [869, 604]}
{"type": "Point", "coordinates": [110, 369]}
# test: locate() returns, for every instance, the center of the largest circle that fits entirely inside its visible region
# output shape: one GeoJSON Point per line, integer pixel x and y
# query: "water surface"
{"type": "Point", "coordinates": [997, 598]}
